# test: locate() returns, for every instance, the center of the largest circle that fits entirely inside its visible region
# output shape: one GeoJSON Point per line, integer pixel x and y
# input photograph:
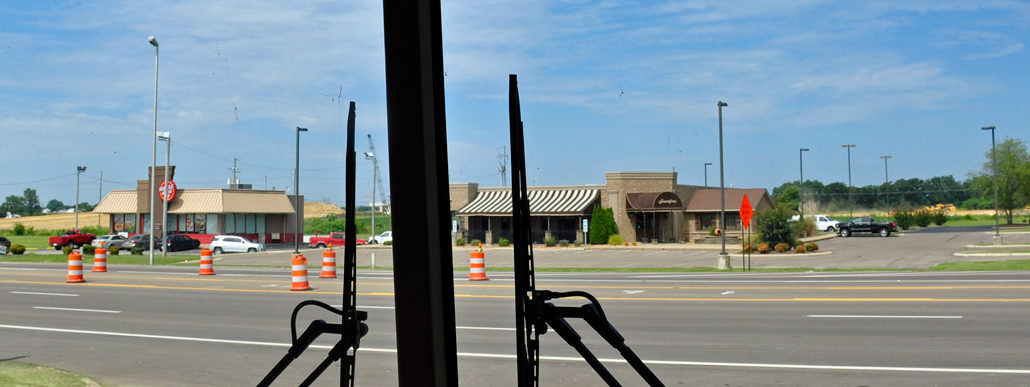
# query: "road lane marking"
{"type": "Point", "coordinates": [728, 292]}
{"type": "Point", "coordinates": [486, 328]}
{"type": "Point", "coordinates": [555, 358]}
{"type": "Point", "coordinates": [77, 310]}
{"type": "Point", "coordinates": [47, 294]}
{"type": "Point", "coordinates": [865, 316]}
{"type": "Point", "coordinates": [656, 252]}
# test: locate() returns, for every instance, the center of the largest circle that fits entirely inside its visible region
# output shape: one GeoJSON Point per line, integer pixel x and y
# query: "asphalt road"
{"type": "Point", "coordinates": [143, 326]}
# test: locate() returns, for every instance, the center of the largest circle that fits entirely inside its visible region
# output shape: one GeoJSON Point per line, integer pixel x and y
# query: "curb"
{"type": "Point", "coordinates": [960, 254]}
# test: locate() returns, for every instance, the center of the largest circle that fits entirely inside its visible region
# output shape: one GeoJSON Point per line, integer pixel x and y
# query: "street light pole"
{"type": "Point", "coordinates": [724, 258]}
{"type": "Point", "coordinates": [801, 188]}
{"type": "Point", "coordinates": [78, 171]}
{"type": "Point", "coordinates": [994, 163]}
{"type": "Point", "coordinates": [296, 196]}
{"type": "Point", "coordinates": [887, 179]}
{"type": "Point", "coordinates": [375, 168]}
{"type": "Point", "coordinates": [850, 209]}
{"type": "Point", "coordinates": [164, 201]}
{"type": "Point", "coordinates": [706, 173]}
{"type": "Point", "coordinates": [153, 154]}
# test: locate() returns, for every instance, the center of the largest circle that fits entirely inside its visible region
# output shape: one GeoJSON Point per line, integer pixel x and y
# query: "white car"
{"type": "Point", "coordinates": [233, 244]}
{"type": "Point", "coordinates": [822, 222]}
{"type": "Point", "coordinates": [386, 236]}
{"type": "Point", "coordinates": [106, 241]}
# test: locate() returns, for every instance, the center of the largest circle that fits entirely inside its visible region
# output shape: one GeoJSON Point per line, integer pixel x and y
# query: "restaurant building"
{"type": "Point", "coordinates": [263, 216]}
{"type": "Point", "coordinates": [649, 207]}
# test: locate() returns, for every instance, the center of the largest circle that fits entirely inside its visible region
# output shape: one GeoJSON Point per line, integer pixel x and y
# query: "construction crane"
{"type": "Point", "coordinates": [378, 177]}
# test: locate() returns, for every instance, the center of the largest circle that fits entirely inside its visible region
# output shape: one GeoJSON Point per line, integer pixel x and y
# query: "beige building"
{"type": "Point", "coordinates": [649, 207]}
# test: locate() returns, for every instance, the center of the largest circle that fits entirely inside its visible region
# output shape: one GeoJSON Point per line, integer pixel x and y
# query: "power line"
{"type": "Point", "coordinates": [39, 181]}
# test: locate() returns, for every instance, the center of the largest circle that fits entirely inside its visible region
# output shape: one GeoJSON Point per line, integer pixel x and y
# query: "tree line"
{"type": "Point", "coordinates": [28, 204]}
{"type": "Point", "coordinates": [976, 192]}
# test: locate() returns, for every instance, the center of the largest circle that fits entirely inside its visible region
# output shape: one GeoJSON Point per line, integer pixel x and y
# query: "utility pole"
{"type": "Point", "coordinates": [101, 196]}
{"type": "Point", "coordinates": [502, 159]}
{"type": "Point", "coordinates": [233, 169]}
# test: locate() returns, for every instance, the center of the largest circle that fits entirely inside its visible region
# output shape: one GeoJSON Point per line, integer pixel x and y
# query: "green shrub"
{"type": "Point", "coordinates": [923, 218]}
{"type": "Point", "coordinates": [503, 242]}
{"type": "Point", "coordinates": [67, 250]}
{"type": "Point", "coordinates": [811, 246]}
{"type": "Point", "coordinates": [577, 243]}
{"type": "Point", "coordinates": [615, 240]}
{"type": "Point", "coordinates": [19, 229]}
{"type": "Point", "coordinates": [940, 217]}
{"type": "Point", "coordinates": [459, 242]}
{"type": "Point", "coordinates": [476, 242]}
{"type": "Point", "coordinates": [113, 250]}
{"type": "Point", "coordinates": [904, 218]}
{"type": "Point", "coordinates": [17, 249]}
{"type": "Point", "coordinates": [799, 249]}
{"type": "Point", "coordinates": [774, 225]}
{"type": "Point", "coordinates": [781, 247]}
{"type": "Point", "coordinates": [763, 248]}
{"type": "Point", "coordinates": [550, 242]}
{"type": "Point", "coordinates": [89, 249]}
{"type": "Point", "coordinates": [602, 225]}
{"type": "Point", "coordinates": [388, 243]}
{"type": "Point", "coordinates": [136, 251]}
{"type": "Point", "coordinates": [967, 217]}
{"type": "Point", "coordinates": [563, 243]}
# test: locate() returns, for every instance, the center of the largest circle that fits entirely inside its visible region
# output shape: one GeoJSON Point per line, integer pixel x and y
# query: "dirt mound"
{"type": "Point", "coordinates": [318, 209]}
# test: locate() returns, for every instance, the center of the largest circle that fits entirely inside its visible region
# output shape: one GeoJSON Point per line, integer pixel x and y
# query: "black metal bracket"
{"type": "Point", "coordinates": [314, 330]}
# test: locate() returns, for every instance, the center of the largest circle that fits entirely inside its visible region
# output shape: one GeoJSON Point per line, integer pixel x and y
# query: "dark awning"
{"type": "Point", "coordinates": [653, 202]}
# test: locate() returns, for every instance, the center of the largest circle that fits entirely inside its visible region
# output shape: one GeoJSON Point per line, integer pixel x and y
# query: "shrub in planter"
{"type": "Point", "coordinates": [904, 218]}
{"type": "Point", "coordinates": [503, 242]}
{"type": "Point", "coordinates": [811, 246]}
{"type": "Point", "coordinates": [89, 249]}
{"type": "Point", "coordinates": [748, 248]}
{"type": "Point", "coordinates": [577, 243]}
{"type": "Point", "coordinates": [615, 240]}
{"type": "Point", "coordinates": [136, 251]}
{"type": "Point", "coordinates": [67, 250]}
{"type": "Point", "coordinates": [113, 250]}
{"type": "Point", "coordinates": [563, 243]}
{"type": "Point", "coordinates": [781, 247]}
{"type": "Point", "coordinates": [939, 217]}
{"type": "Point", "coordinates": [476, 242]}
{"type": "Point", "coordinates": [459, 242]}
{"type": "Point", "coordinates": [550, 242]}
{"type": "Point", "coordinates": [388, 243]}
{"type": "Point", "coordinates": [17, 249]}
{"type": "Point", "coordinates": [799, 249]}
{"type": "Point", "coordinates": [763, 248]}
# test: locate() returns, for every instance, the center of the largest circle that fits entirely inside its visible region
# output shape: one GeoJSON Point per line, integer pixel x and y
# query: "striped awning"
{"type": "Point", "coordinates": [542, 202]}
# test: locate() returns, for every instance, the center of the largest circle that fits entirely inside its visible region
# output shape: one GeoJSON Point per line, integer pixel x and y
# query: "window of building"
{"type": "Point", "coordinates": [212, 224]}
{"type": "Point", "coordinates": [230, 223]}
{"type": "Point", "coordinates": [732, 221]}
{"type": "Point", "coordinates": [705, 221]}
{"type": "Point", "coordinates": [251, 224]}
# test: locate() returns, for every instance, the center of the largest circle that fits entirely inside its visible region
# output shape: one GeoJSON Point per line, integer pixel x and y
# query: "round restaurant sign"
{"type": "Point", "coordinates": [171, 189]}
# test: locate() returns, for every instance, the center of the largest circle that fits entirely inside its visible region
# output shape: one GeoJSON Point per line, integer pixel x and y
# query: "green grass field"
{"type": "Point", "coordinates": [27, 375]}
{"type": "Point", "coordinates": [31, 242]}
{"type": "Point", "coordinates": [984, 266]}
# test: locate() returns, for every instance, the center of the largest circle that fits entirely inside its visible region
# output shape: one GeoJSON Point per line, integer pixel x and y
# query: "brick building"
{"type": "Point", "coordinates": [649, 207]}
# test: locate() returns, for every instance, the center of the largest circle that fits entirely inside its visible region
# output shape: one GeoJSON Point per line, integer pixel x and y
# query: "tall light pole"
{"type": "Point", "coordinates": [801, 187]}
{"type": "Point", "coordinates": [706, 173]}
{"type": "Point", "coordinates": [887, 179]}
{"type": "Point", "coordinates": [850, 209]}
{"type": "Point", "coordinates": [78, 171]}
{"type": "Point", "coordinates": [994, 163]}
{"type": "Point", "coordinates": [164, 136]}
{"type": "Point", "coordinates": [724, 259]}
{"type": "Point", "coordinates": [372, 156]}
{"type": "Point", "coordinates": [153, 155]}
{"type": "Point", "coordinates": [296, 196]}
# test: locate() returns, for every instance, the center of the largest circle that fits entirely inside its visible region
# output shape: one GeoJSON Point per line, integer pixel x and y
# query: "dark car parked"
{"type": "Point", "coordinates": [867, 224]}
{"type": "Point", "coordinates": [5, 242]}
{"type": "Point", "coordinates": [174, 243]}
{"type": "Point", "coordinates": [135, 240]}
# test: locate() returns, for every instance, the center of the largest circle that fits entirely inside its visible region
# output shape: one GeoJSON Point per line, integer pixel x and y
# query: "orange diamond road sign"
{"type": "Point", "coordinates": [746, 212]}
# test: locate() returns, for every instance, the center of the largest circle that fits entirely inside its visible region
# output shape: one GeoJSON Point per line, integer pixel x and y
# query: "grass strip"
{"type": "Point", "coordinates": [111, 259]}
{"type": "Point", "coordinates": [27, 375]}
{"type": "Point", "coordinates": [1013, 265]}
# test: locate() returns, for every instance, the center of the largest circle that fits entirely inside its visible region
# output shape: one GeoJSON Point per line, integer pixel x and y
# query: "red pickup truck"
{"type": "Point", "coordinates": [337, 239]}
{"type": "Point", "coordinates": [73, 238]}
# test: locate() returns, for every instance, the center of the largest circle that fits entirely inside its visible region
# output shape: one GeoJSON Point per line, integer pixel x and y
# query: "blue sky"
{"type": "Point", "coordinates": [606, 86]}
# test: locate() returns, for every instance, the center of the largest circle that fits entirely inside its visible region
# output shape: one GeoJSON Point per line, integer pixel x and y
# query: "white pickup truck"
{"type": "Point", "coordinates": [822, 222]}
{"type": "Point", "coordinates": [386, 236]}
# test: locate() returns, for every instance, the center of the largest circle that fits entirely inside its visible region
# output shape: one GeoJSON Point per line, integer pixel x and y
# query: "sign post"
{"type": "Point", "coordinates": [745, 217]}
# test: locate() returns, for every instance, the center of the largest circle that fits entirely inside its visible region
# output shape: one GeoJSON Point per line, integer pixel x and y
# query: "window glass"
{"type": "Point", "coordinates": [732, 221]}
{"type": "Point", "coordinates": [251, 224]}
{"type": "Point", "coordinates": [241, 223]}
{"type": "Point", "coordinates": [146, 222]}
{"type": "Point", "coordinates": [212, 223]}
{"type": "Point", "coordinates": [129, 224]}
{"type": "Point", "coordinates": [260, 223]}
{"type": "Point", "coordinates": [705, 221]}
{"type": "Point", "coordinates": [200, 223]}
{"type": "Point", "coordinates": [230, 223]}
{"type": "Point", "coordinates": [182, 222]}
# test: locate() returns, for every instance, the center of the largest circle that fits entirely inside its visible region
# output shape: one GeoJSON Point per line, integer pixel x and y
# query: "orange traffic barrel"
{"type": "Point", "coordinates": [300, 273]}
{"type": "Point", "coordinates": [100, 260]}
{"type": "Point", "coordinates": [207, 262]}
{"type": "Point", "coordinates": [75, 267]}
{"type": "Point", "coordinates": [477, 265]}
{"type": "Point", "coordinates": [328, 263]}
